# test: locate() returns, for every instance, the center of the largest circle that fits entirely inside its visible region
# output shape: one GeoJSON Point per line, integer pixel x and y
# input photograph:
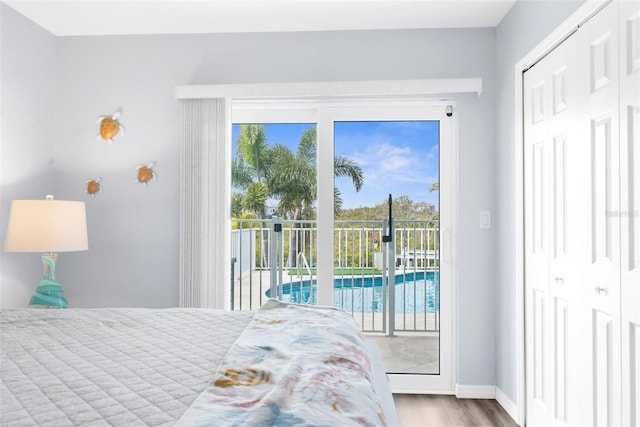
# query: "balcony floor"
{"type": "Point", "coordinates": [409, 353]}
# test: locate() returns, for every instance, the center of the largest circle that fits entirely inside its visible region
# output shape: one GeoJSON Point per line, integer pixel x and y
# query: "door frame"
{"type": "Point", "coordinates": [556, 37]}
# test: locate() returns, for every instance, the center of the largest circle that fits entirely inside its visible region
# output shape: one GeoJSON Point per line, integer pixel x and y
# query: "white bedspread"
{"type": "Point", "coordinates": [98, 367]}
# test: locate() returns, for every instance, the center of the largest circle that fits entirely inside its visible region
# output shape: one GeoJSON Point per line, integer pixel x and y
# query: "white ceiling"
{"type": "Point", "coordinates": [91, 17]}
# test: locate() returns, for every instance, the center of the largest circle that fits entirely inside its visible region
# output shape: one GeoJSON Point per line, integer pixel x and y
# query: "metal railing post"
{"type": "Point", "coordinates": [385, 278]}
{"type": "Point", "coordinates": [280, 257]}
{"type": "Point", "coordinates": [273, 257]}
{"type": "Point", "coordinates": [391, 254]}
{"type": "Point", "coordinates": [233, 269]}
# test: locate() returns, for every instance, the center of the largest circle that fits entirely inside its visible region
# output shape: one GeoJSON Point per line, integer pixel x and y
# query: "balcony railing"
{"type": "Point", "coordinates": [282, 264]}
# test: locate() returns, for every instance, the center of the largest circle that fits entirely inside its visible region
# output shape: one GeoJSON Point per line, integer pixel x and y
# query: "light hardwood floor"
{"type": "Point", "coordinates": [417, 410]}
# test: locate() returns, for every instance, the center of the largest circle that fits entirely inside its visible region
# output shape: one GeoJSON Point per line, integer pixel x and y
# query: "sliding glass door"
{"type": "Point", "coordinates": [398, 281]}
{"type": "Point", "coordinates": [391, 286]}
{"type": "Point", "coordinates": [313, 215]}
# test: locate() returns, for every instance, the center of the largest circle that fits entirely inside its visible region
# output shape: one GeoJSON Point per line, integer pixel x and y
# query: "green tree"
{"type": "Point", "coordinates": [250, 172]}
{"type": "Point", "coordinates": [294, 182]}
{"type": "Point", "coordinates": [265, 172]}
{"type": "Point", "coordinates": [294, 179]}
{"type": "Point", "coordinates": [435, 187]}
{"type": "Point", "coordinates": [403, 208]}
{"type": "Point", "coordinates": [250, 168]}
{"type": "Point", "coordinates": [236, 205]}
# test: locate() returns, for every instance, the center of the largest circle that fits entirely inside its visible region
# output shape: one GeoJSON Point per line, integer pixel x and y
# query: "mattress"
{"type": "Point", "coordinates": [135, 367]}
{"type": "Point", "coordinates": [99, 367]}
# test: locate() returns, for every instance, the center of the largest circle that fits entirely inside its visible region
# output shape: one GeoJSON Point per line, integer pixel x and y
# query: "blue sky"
{"type": "Point", "coordinates": [400, 158]}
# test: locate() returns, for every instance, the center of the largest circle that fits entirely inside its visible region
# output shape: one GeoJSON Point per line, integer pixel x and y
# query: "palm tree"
{"type": "Point", "coordinates": [250, 168]}
{"type": "Point", "coordinates": [435, 187]}
{"type": "Point", "coordinates": [294, 176]}
{"type": "Point", "coordinates": [276, 171]}
{"type": "Point", "coordinates": [250, 171]}
{"type": "Point", "coordinates": [294, 181]}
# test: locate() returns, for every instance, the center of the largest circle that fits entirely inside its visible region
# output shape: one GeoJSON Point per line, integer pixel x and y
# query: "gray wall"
{"type": "Point", "coordinates": [527, 24]}
{"type": "Point", "coordinates": [28, 104]}
{"type": "Point", "coordinates": [54, 88]}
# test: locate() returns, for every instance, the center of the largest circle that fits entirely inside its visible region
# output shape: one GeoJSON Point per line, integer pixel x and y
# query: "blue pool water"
{"type": "Point", "coordinates": [417, 291]}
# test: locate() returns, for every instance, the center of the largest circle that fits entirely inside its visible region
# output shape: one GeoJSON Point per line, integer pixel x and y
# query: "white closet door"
{"type": "Point", "coordinates": [553, 237]}
{"type": "Point", "coordinates": [573, 236]}
{"type": "Point", "coordinates": [597, 49]}
{"type": "Point", "coordinates": [630, 208]}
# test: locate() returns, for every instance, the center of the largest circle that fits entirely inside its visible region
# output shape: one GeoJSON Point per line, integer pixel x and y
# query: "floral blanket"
{"type": "Point", "coordinates": [293, 365]}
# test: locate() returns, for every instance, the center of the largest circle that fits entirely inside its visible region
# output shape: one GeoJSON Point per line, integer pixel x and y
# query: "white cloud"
{"type": "Point", "coordinates": [385, 163]}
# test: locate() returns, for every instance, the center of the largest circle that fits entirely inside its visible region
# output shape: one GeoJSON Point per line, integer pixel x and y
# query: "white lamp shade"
{"type": "Point", "coordinates": [47, 226]}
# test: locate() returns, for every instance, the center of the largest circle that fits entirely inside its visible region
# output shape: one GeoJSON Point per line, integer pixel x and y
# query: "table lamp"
{"type": "Point", "coordinates": [47, 226]}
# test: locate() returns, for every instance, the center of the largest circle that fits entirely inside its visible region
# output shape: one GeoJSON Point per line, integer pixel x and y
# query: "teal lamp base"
{"type": "Point", "coordinates": [49, 292]}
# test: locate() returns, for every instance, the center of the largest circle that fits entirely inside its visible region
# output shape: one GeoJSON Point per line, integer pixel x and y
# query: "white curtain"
{"type": "Point", "coordinates": [203, 202]}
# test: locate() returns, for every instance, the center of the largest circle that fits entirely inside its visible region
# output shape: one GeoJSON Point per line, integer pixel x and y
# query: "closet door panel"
{"type": "Point", "coordinates": [629, 64]}
{"type": "Point", "coordinates": [597, 46]}
{"type": "Point", "coordinates": [537, 314]}
{"type": "Point", "coordinates": [568, 241]}
{"type": "Point", "coordinates": [552, 241]}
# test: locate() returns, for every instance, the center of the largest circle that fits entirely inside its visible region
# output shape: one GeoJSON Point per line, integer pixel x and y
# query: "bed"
{"type": "Point", "coordinates": [282, 365]}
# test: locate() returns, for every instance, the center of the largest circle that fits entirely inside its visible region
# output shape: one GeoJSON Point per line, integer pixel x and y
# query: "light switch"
{"type": "Point", "coordinates": [485, 220]}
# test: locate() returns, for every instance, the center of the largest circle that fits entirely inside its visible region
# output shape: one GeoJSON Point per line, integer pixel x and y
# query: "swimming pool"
{"type": "Point", "coordinates": [414, 293]}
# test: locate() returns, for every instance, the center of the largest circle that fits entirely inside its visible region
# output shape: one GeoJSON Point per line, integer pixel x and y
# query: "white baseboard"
{"type": "Point", "coordinates": [508, 405]}
{"type": "Point", "coordinates": [489, 392]}
{"type": "Point", "coordinates": [475, 391]}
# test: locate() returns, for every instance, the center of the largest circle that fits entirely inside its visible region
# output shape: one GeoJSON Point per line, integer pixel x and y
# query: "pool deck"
{"type": "Point", "coordinates": [413, 351]}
